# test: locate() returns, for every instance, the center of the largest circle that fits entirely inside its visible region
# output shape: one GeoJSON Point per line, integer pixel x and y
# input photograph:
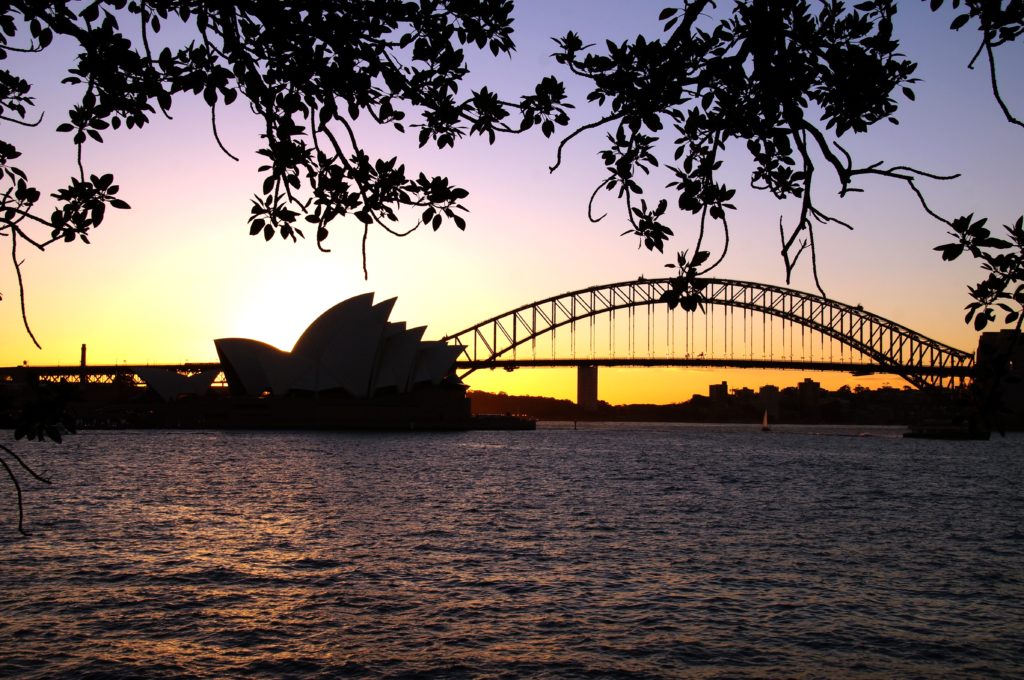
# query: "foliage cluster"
{"type": "Point", "coordinates": [1003, 288]}
{"type": "Point", "coordinates": [309, 70]}
{"type": "Point", "coordinates": [788, 80]}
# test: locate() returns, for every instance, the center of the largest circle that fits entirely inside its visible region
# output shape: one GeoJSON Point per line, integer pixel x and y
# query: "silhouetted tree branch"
{"type": "Point", "coordinates": [17, 485]}
{"type": "Point", "coordinates": [787, 79]}
{"type": "Point", "coordinates": [322, 66]}
{"type": "Point", "coordinates": [42, 415]}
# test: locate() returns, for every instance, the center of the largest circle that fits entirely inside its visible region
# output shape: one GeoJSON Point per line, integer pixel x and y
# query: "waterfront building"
{"type": "Point", "coordinates": [351, 350]}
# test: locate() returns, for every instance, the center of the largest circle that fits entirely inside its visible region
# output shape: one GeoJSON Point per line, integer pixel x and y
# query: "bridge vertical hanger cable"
{"type": "Point", "coordinates": [782, 326]}
{"type": "Point", "coordinates": [572, 327]}
{"type": "Point", "coordinates": [726, 313]}
{"type": "Point", "coordinates": [732, 333]}
{"type": "Point", "coordinates": [650, 331]}
{"type": "Point", "coordinates": [670, 331]}
{"type": "Point", "coordinates": [631, 322]}
{"type": "Point", "coordinates": [591, 319]}
{"type": "Point", "coordinates": [790, 340]}
{"type": "Point", "coordinates": [843, 356]}
{"type": "Point", "coordinates": [533, 340]}
{"type": "Point", "coordinates": [554, 329]}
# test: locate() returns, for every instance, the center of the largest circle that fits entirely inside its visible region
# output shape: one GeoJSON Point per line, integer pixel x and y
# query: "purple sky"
{"type": "Point", "coordinates": [159, 282]}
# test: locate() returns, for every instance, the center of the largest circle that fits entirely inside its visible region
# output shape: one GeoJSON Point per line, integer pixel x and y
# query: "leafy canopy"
{"type": "Point", "coordinates": [788, 80]}
{"type": "Point", "coordinates": [307, 69]}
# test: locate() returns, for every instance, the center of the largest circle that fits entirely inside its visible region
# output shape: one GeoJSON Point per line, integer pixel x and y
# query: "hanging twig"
{"type": "Point", "coordinates": [21, 287]}
{"type": "Point", "coordinates": [25, 466]}
{"type": "Point", "coordinates": [17, 487]}
{"type": "Point", "coordinates": [216, 136]}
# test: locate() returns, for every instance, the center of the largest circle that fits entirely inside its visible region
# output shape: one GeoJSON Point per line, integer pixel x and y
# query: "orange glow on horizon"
{"type": "Point", "coordinates": [642, 385]}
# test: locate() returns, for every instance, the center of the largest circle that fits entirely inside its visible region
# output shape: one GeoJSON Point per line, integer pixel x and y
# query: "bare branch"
{"type": "Point", "coordinates": [725, 247]}
{"type": "Point", "coordinates": [21, 288]}
{"type": "Point", "coordinates": [842, 170]}
{"type": "Point", "coordinates": [915, 171]}
{"type": "Point", "coordinates": [23, 123]}
{"type": "Point", "coordinates": [977, 53]}
{"type": "Point", "coordinates": [366, 233]}
{"type": "Point", "coordinates": [907, 174]}
{"type": "Point", "coordinates": [995, 85]}
{"type": "Point", "coordinates": [213, 124]}
{"type": "Point", "coordinates": [145, 29]}
{"type": "Point", "coordinates": [26, 467]}
{"type": "Point", "coordinates": [814, 260]}
{"type": "Point", "coordinates": [23, 50]}
{"type": "Point", "coordinates": [578, 131]}
{"type": "Point", "coordinates": [17, 487]}
{"type": "Point", "coordinates": [824, 219]}
{"type": "Point", "coordinates": [700, 233]}
{"type": "Point", "coordinates": [590, 204]}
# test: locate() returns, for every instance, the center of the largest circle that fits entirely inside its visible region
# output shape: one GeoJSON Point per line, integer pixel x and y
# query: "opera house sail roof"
{"type": "Point", "coordinates": [352, 349]}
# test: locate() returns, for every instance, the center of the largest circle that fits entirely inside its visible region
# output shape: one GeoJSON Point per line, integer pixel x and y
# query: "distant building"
{"type": "Point", "coordinates": [718, 393]}
{"type": "Point", "coordinates": [810, 392]}
{"type": "Point", "coordinates": [744, 394]}
{"type": "Point", "coordinates": [768, 400]}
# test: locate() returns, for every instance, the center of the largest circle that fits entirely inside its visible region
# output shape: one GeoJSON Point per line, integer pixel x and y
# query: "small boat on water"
{"type": "Point", "coordinates": [764, 422]}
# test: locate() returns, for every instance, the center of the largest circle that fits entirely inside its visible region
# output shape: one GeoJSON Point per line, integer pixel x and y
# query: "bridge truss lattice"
{"type": "Point", "coordinates": [922, 361]}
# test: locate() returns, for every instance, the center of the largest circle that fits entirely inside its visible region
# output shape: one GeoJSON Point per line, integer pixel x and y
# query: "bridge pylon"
{"type": "Point", "coordinates": [586, 387]}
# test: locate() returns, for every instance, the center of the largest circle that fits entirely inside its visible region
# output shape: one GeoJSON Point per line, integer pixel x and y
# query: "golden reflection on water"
{"type": "Point", "coordinates": [654, 552]}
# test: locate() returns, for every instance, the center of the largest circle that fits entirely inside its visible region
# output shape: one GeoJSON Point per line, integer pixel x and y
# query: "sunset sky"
{"type": "Point", "coordinates": [159, 282]}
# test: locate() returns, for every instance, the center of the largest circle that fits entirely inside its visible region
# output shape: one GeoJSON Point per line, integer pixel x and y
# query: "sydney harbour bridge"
{"type": "Point", "coordinates": [740, 324]}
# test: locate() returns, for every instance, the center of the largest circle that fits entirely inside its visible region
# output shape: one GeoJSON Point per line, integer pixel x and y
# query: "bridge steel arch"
{"type": "Point", "coordinates": [923, 362]}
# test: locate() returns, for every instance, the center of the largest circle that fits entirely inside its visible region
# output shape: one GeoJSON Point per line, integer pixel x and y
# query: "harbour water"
{"type": "Point", "coordinates": [604, 551]}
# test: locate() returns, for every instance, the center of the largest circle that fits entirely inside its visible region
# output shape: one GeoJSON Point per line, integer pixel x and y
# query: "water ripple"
{"type": "Point", "coordinates": [613, 551]}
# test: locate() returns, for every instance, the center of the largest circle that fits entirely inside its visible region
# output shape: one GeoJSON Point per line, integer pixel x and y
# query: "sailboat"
{"type": "Point", "coordinates": [764, 422]}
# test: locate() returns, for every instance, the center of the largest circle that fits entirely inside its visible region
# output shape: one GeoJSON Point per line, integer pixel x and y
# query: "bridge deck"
{"type": "Point", "coordinates": [107, 373]}
{"type": "Point", "coordinates": [855, 368]}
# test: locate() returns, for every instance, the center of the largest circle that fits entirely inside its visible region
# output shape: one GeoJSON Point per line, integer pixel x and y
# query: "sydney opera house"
{"type": "Point", "coordinates": [351, 368]}
{"type": "Point", "coordinates": [352, 350]}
